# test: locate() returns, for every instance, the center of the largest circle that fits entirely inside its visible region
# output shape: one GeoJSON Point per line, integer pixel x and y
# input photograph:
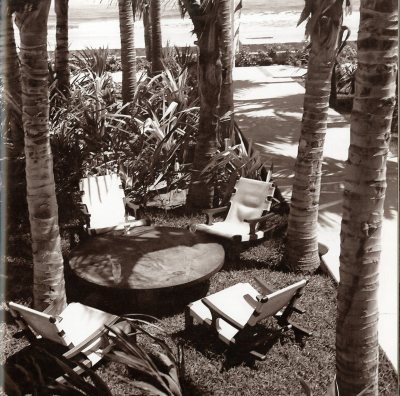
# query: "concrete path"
{"type": "Point", "coordinates": [269, 107]}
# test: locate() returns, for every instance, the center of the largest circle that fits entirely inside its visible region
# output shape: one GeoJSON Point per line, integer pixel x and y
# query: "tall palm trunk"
{"type": "Point", "coordinates": [156, 41]}
{"type": "Point", "coordinates": [225, 18]}
{"type": "Point", "coordinates": [48, 271]}
{"type": "Point", "coordinates": [324, 28]}
{"type": "Point", "coordinates": [12, 82]}
{"type": "Point", "coordinates": [147, 30]}
{"type": "Point", "coordinates": [204, 19]}
{"type": "Point", "coordinates": [365, 187]}
{"type": "Point", "coordinates": [61, 52]}
{"type": "Point", "coordinates": [128, 50]}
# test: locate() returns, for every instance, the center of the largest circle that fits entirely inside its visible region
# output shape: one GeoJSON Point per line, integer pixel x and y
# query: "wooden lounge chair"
{"type": "Point", "coordinates": [234, 311]}
{"type": "Point", "coordinates": [246, 212]}
{"type": "Point", "coordinates": [105, 206]}
{"type": "Point", "coordinates": [79, 328]}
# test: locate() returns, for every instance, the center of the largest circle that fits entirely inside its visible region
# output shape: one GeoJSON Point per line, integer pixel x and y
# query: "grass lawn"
{"type": "Point", "coordinates": [211, 369]}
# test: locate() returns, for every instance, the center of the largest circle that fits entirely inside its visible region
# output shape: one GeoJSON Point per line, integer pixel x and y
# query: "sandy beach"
{"type": "Point", "coordinates": [94, 24]}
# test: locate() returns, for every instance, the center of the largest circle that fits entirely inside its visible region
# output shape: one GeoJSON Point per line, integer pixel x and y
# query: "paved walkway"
{"type": "Point", "coordinates": [269, 107]}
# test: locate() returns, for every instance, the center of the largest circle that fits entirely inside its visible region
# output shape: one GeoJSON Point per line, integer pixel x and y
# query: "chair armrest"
{"type": "Point", "coordinates": [85, 343]}
{"type": "Point", "coordinates": [211, 212]}
{"type": "Point", "coordinates": [254, 222]}
{"type": "Point", "coordinates": [131, 205]}
{"type": "Point", "coordinates": [265, 287]}
{"type": "Point", "coordinates": [216, 315]}
{"type": "Point", "coordinates": [100, 333]}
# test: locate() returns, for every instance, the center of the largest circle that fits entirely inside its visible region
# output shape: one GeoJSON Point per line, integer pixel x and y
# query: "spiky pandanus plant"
{"type": "Point", "coordinates": [364, 195]}
{"type": "Point", "coordinates": [61, 51]}
{"type": "Point", "coordinates": [323, 27]}
{"type": "Point", "coordinates": [48, 269]}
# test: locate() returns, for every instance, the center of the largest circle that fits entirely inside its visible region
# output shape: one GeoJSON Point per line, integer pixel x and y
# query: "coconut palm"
{"type": "Point", "coordinates": [225, 18]}
{"type": "Point", "coordinates": [204, 16]}
{"type": "Point", "coordinates": [156, 41]}
{"type": "Point", "coordinates": [324, 26]}
{"type": "Point", "coordinates": [365, 186]}
{"type": "Point", "coordinates": [48, 270]}
{"type": "Point", "coordinates": [61, 52]}
{"type": "Point", "coordinates": [147, 29]}
{"type": "Point", "coordinates": [128, 50]}
{"type": "Point", "coordinates": [12, 80]}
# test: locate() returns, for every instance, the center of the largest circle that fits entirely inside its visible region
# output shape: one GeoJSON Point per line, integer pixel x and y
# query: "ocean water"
{"type": "Point", "coordinates": [94, 23]}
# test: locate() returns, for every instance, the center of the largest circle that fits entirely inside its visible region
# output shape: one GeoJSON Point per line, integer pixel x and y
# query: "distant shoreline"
{"type": "Point", "coordinates": [140, 52]}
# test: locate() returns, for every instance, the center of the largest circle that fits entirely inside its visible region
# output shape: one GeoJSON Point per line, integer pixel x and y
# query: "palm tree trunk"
{"type": "Point", "coordinates": [225, 17]}
{"type": "Point", "coordinates": [201, 194]}
{"type": "Point", "coordinates": [128, 51]}
{"type": "Point", "coordinates": [365, 187]}
{"type": "Point", "coordinates": [48, 270]}
{"type": "Point", "coordinates": [61, 52]}
{"type": "Point", "coordinates": [156, 41]}
{"type": "Point", "coordinates": [147, 30]}
{"type": "Point", "coordinates": [302, 246]}
{"type": "Point", "coordinates": [12, 83]}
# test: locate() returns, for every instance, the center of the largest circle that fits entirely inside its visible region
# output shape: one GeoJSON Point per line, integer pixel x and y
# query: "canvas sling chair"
{"type": "Point", "coordinates": [233, 312]}
{"type": "Point", "coordinates": [80, 328]}
{"type": "Point", "coordinates": [246, 212]}
{"type": "Point", "coordinates": [105, 206]}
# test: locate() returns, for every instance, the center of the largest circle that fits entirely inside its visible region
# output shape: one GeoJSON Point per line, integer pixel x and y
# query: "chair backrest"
{"type": "Point", "coordinates": [250, 200]}
{"type": "Point", "coordinates": [104, 200]}
{"type": "Point", "coordinates": [41, 324]}
{"type": "Point", "coordinates": [275, 302]}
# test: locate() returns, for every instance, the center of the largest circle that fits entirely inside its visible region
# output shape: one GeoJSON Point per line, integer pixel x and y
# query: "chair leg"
{"type": "Point", "coordinates": [188, 319]}
{"type": "Point", "coordinates": [299, 329]}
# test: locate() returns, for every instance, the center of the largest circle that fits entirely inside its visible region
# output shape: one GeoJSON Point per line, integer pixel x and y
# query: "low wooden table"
{"type": "Point", "coordinates": [148, 260]}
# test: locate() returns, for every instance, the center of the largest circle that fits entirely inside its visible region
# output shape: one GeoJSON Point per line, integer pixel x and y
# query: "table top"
{"type": "Point", "coordinates": [147, 258]}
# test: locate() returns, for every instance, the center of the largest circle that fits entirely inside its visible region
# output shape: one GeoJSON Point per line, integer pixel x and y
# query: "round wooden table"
{"type": "Point", "coordinates": [148, 260]}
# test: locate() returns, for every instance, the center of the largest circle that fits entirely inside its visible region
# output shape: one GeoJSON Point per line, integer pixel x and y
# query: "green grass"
{"type": "Point", "coordinates": [212, 369]}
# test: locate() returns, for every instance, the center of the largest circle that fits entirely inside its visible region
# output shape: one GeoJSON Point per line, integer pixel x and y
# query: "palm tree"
{"type": "Point", "coordinates": [364, 195]}
{"type": "Point", "coordinates": [128, 50]}
{"type": "Point", "coordinates": [156, 41]}
{"type": "Point", "coordinates": [12, 81]}
{"type": "Point", "coordinates": [48, 270]}
{"type": "Point", "coordinates": [61, 52]}
{"type": "Point", "coordinates": [147, 29]}
{"type": "Point", "coordinates": [225, 18]}
{"type": "Point", "coordinates": [324, 27]}
{"type": "Point", "coordinates": [204, 16]}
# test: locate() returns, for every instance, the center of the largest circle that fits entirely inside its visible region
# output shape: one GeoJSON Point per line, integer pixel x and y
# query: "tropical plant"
{"type": "Point", "coordinates": [363, 202]}
{"type": "Point", "coordinates": [61, 52]}
{"type": "Point", "coordinates": [35, 375]}
{"type": "Point", "coordinates": [150, 356]}
{"type": "Point", "coordinates": [323, 26]}
{"type": "Point", "coordinates": [48, 269]}
{"type": "Point", "coordinates": [238, 160]}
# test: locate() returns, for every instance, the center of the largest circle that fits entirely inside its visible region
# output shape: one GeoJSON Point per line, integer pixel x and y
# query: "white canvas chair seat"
{"type": "Point", "coordinates": [78, 327]}
{"type": "Point", "coordinates": [104, 204]}
{"type": "Point", "coordinates": [244, 219]}
{"type": "Point", "coordinates": [235, 309]}
{"type": "Point", "coordinates": [228, 230]}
